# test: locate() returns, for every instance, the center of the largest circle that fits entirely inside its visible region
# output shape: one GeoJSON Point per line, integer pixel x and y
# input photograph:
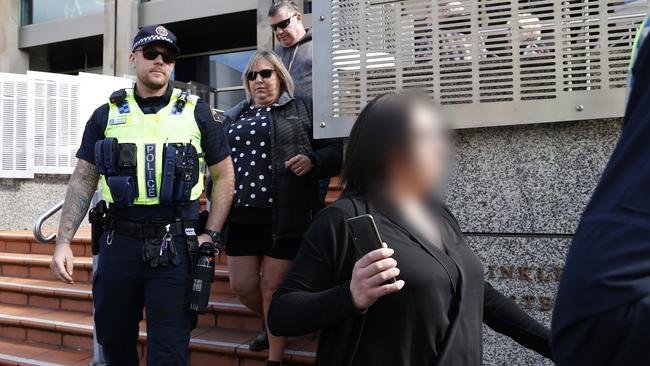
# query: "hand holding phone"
{"type": "Point", "coordinates": [374, 273]}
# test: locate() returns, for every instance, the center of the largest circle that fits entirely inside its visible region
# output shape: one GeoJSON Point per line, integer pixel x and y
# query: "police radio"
{"type": "Point", "coordinates": [180, 172]}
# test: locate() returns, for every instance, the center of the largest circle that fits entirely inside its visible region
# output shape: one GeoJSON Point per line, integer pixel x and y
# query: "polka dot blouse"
{"type": "Point", "coordinates": [250, 141]}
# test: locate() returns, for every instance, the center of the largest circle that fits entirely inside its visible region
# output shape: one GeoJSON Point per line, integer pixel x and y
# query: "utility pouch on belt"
{"type": "Point", "coordinates": [160, 252]}
{"type": "Point", "coordinates": [192, 245]}
{"type": "Point", "coordinates": [98, 218]}
{"type": "Point", "coordinates": [180, 172]}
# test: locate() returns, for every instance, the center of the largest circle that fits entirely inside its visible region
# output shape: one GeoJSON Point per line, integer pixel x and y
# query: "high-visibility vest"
{"type": "Point", "coordinates": [149, 132]}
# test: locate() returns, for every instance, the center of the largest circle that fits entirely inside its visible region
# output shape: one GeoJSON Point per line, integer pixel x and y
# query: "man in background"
{"type": "Point", "coordinates": [295, 50]}
{"type": "Point", "coordinates": [295, 44]}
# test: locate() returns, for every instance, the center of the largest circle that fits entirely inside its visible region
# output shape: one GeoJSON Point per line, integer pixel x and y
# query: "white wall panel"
{"type": "Point", "coordinates": [16, 127]}
{"type": "Point", "coordinates": [57, 128]}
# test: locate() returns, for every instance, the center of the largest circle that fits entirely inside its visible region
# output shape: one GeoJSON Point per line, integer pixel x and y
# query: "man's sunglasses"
{"type": "Point", "coordinates": [265, 74]}
{"type": "Point", "coordinates": [151, 53]}
{"type": "Point", "coordinates": [283, 24]}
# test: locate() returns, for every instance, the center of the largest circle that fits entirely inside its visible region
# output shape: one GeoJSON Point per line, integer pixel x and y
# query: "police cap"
{"type": "Point", "coordinates": [154, 33]}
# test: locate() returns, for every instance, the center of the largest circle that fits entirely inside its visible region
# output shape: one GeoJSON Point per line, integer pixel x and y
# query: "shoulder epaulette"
{"type": "Point", "coordinates": [118, 97]}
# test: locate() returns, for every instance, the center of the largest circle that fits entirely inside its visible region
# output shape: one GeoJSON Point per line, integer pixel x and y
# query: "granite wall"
{"type": "Point", "coordinates": [518, 192]}
{"type": "Point", "coordinates": [22, 200]}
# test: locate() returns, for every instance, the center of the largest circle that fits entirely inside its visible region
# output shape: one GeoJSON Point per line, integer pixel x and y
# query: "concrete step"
{"type": "Point", "coordinates": [335, 190]}
{"type": "Point", "coordinates": [224, 310]}
{"type": "Point", "coordinates": [37, 266]}
{"type": "Point", "coordinates": [15, 353]}
{"type": "Point", "coordinates": [23, 242]}
{"type": "Point", "coordinates": [73, 330]}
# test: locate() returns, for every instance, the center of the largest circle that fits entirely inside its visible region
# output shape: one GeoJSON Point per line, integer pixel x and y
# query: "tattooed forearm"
{"type": "Point", "coordinates": [81, 188]}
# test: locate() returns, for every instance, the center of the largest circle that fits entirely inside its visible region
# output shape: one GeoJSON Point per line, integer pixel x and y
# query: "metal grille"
{"type": "Point", "coordinates": [16, 129]}
{"type": "Point", "coordinates": [485, 62]}
{"type": "Point", "coordinates": [56, 121]}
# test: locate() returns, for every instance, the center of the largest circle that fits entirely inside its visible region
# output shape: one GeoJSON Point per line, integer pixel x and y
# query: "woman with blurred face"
{"type": "Point", "coordinates": [421, 299]}
{"type": "Point", "coordinates": [277, 167]}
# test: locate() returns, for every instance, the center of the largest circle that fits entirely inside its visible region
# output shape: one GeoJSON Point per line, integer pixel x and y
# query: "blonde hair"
{"type": "Point", "coordinates": [286, 82]}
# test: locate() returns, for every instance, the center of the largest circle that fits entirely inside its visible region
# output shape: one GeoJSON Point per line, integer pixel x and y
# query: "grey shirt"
{"type": "Point", "coordinates": [297, 59]}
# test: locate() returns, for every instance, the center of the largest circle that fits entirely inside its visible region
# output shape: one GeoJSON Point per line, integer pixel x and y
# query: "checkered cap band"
{"type": "Point", "coordinates": [152, 38]}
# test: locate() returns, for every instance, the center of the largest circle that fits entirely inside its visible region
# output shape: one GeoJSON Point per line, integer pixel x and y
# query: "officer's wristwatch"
{"type": "Point", "coordinates": [214, 235]}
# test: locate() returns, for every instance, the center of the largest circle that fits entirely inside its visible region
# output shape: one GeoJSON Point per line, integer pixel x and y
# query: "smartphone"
{"type": "Point", "coordinates": [365, 235]}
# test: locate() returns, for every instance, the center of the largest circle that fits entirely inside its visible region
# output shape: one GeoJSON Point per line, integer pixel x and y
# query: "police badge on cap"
{"type": "Point", "coordinates": [161, 31]}
{"type": "Point", "coordinates": [154, 33]}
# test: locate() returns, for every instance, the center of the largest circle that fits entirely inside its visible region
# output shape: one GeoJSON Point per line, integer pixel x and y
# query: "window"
{"type": "Point", "coordinates": [38, 11]}
{"type": "Point", "coordinates": [221, 71]}
{"type": "Point", "coordinates": [227, 69]}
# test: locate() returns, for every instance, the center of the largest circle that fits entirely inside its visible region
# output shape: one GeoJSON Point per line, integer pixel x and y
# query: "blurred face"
{"type": "Point", "coordinates": [153, 65]}
{"type": "Point", "coordinates": [287, 27]}
{"type": "Point", "coordinates": [429, 150]}
{"type": "Point", "coordinates": [264, 83]}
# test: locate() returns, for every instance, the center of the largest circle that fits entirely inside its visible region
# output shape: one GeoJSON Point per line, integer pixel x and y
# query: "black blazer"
{"type": "Point", "coordinates": [316, 296]}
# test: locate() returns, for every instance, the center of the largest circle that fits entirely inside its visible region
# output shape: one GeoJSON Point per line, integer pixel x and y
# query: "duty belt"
{"type": "Point", "coordinates": [149, 230]}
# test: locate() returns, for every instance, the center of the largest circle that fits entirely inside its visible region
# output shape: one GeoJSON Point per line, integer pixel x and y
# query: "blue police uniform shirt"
{"type": "Point", "coordinates": [213, 142]}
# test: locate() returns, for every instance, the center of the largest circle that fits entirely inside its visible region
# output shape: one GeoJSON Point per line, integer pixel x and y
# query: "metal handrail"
{"type": "Point", "coordinates": [38, 223]}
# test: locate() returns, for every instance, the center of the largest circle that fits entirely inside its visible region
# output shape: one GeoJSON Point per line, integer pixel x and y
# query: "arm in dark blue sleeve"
{"type": "Point", "coordinates": [213, 137]}
{"type": "Point", "coordinates": [93, 132]}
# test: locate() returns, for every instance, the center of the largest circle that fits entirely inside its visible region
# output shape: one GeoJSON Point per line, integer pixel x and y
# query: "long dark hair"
{"type": "Point", "coordinates": [381, 132]}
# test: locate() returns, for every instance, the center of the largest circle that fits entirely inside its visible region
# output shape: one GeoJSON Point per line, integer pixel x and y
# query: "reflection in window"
{"type": "Point", "coordinates": [226, 68]}
{"type": "Point", "coordinates": [225, 75]}
{"type": "Point", "coordinates": [229, 99]}
{"type": "Point", "coordinates": [38, 11]}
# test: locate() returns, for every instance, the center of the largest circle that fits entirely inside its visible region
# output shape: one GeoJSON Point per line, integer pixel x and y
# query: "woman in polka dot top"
{"type": "Point", "coordinates": [277, 167]}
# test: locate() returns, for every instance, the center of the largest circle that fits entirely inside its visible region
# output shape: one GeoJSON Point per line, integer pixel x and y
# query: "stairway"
{"type": "Point", "coordinates": [47, 322]}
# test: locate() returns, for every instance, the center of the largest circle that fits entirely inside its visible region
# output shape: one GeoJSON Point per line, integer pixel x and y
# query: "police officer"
{"type": "Point", "coordinates": [149, 146]}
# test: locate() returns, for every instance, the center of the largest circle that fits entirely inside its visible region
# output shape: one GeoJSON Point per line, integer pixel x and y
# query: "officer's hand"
{"type": "Point", "coordinates": [63, 263]}
{"type": "Point", "coordinates": [204, 238]}
{"type": "Point", "coordinates": [299, 165]}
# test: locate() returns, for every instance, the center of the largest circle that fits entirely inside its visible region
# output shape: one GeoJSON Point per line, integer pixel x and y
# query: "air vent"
{"type": "Point", "coordinates": [484, 62]}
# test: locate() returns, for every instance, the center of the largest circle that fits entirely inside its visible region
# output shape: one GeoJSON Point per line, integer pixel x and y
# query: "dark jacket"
{"type": "Point", "coordinates": [316, 296]}
{"type": "Point", "coordinates": [295, 199]}
{"type": "Point", "coordinates": [602, 310]}
{"type": "Point", "coordinates": [298, 60]}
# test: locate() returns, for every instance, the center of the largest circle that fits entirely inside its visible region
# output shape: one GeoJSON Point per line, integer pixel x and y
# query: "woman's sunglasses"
{"type": "Point", "coordinates": [265, 74]}
{"type": "Point", "coordinates": [151, 53]}
{"type": "Point", "coordinates": [283, 24]}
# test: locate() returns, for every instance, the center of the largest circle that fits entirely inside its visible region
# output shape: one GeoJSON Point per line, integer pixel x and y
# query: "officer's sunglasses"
{"type": "Point", "coordinates": [265, 74]}
{"type": "Point", "coordinates": [151, 53]}
{"type": "Point", "coordinates": [283, 24]}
